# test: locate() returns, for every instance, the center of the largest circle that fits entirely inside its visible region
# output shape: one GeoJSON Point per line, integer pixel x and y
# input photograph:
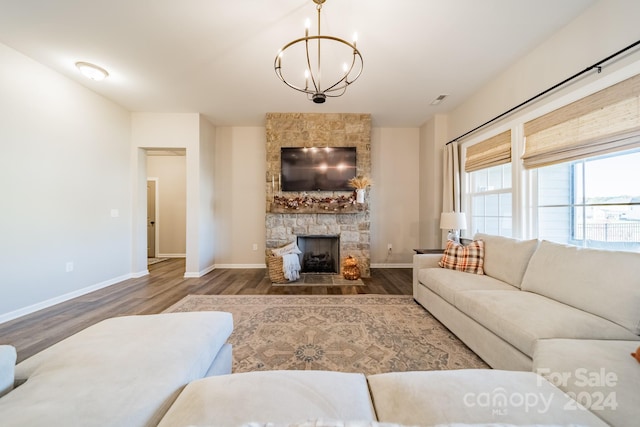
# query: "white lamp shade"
{"type": "Point", "coordinates": [453, 221]}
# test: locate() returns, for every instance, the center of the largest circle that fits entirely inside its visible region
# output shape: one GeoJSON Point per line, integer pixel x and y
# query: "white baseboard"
{"type": "Point", "coordinates": [139, 274]}
{"type": "Point", "coordinates": [249, 266]}
{"type": "Point", "coordinates": [398, 265]}
{"type": "Point", "coordinates": [237, 266]}
{"type": "Point", "coordinates": [171, 255]}
{"type": "Point", "coordinates": [62, 298]}
{"type": "Point", "coordinates": [200, 273]}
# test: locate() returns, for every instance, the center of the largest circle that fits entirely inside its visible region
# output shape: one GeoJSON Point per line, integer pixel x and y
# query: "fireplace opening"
{"type": "Point", "coordinates": [320, 254]}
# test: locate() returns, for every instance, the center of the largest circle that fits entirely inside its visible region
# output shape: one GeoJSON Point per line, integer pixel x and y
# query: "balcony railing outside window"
{"type": "Point", "coordinates": [592, 203]}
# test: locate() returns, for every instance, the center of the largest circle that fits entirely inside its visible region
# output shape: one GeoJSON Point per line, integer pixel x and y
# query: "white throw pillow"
{"type": "Point", "coordinates": [289, 248]}
{"type": "Point", "coordinates": [7, 368]}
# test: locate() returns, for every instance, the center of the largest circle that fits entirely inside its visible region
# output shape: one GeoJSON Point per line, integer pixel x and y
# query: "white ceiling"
{"type": "Point", "coordinates": [216, 57]}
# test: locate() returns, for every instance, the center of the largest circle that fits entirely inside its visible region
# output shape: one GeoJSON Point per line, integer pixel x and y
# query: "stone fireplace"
{"type": "Point", "coordinates": [331, 214]}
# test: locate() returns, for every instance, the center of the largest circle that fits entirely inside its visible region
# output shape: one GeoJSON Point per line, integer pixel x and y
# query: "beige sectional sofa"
{"type": "Point", "coordinates": [556, 323]}
{"type": "Point", "coordinates": [335, 399]}
{"type": "Point", "coordinates": [138, 386]}
{"type": "Point", "coordinates": [566, 312]}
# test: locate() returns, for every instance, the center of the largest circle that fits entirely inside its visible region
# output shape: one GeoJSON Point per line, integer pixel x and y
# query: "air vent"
{"type": "Point", "coordinates": [439, 99]}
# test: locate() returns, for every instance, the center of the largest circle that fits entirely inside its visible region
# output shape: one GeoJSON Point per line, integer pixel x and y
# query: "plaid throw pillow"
{"type": "Point", "coordinates": [468, 258]}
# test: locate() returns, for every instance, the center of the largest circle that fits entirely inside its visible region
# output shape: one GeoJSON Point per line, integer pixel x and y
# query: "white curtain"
{"type": "Point", "coordinates": [451, 179]}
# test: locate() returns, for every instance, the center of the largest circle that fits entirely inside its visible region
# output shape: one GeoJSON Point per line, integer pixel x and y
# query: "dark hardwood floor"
{"type": "Point", "coordinates": [164, 286]}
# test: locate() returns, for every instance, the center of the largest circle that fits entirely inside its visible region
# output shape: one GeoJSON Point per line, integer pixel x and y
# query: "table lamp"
{"type": "Point", "coordinates": [454, 222]}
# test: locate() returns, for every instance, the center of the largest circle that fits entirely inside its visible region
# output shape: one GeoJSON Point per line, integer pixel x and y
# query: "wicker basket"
{"type": "Point", "coordinates": [274, 265]}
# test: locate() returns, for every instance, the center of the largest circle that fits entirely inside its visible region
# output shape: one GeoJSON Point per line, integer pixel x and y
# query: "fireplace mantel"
{"type": "Point", "coordinates": [326, 209]}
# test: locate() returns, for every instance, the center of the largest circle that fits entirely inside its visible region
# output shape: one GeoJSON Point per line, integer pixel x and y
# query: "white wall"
{"type": "Point", "coordinates": [65, 165]}
{"type": "Point", "coordinates": [433, 136]}
{"type": "Point", "coordinates": [206, 209]}
{"type": "Point", "coordinates": [604, 28]}
{"type": "Point", "coordinates": [240, 176]}
{"type": "Point", "coordinates": [394, 195]}
{"type": "Point", "coordinates": [175, 130]}
{"type": "Point", "coordinates": [171, 215]}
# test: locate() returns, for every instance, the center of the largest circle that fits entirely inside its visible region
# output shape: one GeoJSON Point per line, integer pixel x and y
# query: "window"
{"type": "Point", "coordinates": [489, 198]}
{"type": "Point", "coordinates": [569, 175]}
{"type": "Point", "coordinates": [593, 202]}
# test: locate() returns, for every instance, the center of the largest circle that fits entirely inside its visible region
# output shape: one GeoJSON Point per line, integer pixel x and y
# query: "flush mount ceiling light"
{"type": "Point", "coordinates": [319, 83]}
{"type": "Point", "coordinates": [92, 71]}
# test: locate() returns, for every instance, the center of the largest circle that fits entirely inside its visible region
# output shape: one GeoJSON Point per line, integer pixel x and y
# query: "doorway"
{"type": "Point", "coordinates": [166, 219]}
{"type": "Point", "coordinates": [170, 229]}
{"type": "Point", "coordinates": [152, 208]}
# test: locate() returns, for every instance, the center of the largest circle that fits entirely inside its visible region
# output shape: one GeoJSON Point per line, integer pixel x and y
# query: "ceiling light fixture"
{"type": "Point", "coordinates": [92, 71]}
{"type": "Point", "coordinates": [314, 76]}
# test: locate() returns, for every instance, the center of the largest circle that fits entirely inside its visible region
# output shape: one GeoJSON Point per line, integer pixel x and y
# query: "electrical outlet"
{"type": "Point", "coordinates": [389, 247]}
{"type": "Point", "coordinates": [255, 246]}
{"type": "Point", "coordinates": [68, 267]}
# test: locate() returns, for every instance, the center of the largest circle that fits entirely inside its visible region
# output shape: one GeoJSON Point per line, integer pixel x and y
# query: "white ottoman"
{"type": "Point", "coordinates": [279, 397]}
{"type": "Point", "coordinates": [124, 371]}
{"type": "Point", "coordinates": [473, 396]}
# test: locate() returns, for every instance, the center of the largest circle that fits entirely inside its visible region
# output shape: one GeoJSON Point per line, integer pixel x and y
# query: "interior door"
{"type": "Point", "coordinates": [151, 218]}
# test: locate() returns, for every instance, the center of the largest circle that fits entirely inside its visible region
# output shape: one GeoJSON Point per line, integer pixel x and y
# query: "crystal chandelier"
{"type": "Point", "coordinates": [319, 83]}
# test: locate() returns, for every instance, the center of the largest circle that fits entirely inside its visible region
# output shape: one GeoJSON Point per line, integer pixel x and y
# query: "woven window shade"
{"type": "Point", "coordinates": [490, 152]}
{"type": "Point", "coordinates": [602, 123]}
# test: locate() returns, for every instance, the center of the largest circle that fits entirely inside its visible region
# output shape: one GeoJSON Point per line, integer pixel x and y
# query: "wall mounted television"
{"type": "Point", "coordinates": [317, 168]}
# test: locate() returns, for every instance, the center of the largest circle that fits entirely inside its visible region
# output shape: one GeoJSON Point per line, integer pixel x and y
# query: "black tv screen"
{"type": "Point", "coordinates": [317, 169]}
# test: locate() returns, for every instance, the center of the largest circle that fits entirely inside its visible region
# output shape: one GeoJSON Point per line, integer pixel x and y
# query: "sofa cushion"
{"type": "Point", "coordinates": [447, 283]}
{"type": "Point", "coordinates": [472, 396]}
{"type": "Point", "coordinates": [506, 259]}
{"type": "Point", "coordinates": [279, 397]}
{"type": "Point", "coordinates": [604, 283]}
{"type": "Point", "coordinates": [521, 318]}
{"type": "Point", "coordinates": [600, 374]}
{"type": "Point", "coordinates": [124, 371]}
{"type": "Point", "coordinates": [7, 368]}
{"type": "Point", "coordinates": [468, 259]}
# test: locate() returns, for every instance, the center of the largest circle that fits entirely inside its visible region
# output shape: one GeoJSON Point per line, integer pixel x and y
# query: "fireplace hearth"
{"type": "Point", "coordinates": [320, 254]}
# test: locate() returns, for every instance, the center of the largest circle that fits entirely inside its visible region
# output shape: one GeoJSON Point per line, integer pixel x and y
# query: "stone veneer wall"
{"type": "Point", "coordinates": [319, 130]}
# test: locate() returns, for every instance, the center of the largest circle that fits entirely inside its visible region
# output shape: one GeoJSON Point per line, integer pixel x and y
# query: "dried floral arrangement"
{"type": "Point", "coordinates": [360, 182]}
{"type": "Point", "coordinates": [306, 201]}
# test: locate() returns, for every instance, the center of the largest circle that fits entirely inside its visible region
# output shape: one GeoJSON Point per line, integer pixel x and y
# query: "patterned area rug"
{"type": "Point", "coordinates": [364, 333]}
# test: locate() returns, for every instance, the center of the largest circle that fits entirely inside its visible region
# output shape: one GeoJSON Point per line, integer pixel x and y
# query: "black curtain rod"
{"type": "Point", "coordinates": [597, 65]}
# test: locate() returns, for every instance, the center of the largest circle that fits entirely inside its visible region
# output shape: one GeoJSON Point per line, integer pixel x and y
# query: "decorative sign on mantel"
{"type": "Point", "coordinates": [310, 204]}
